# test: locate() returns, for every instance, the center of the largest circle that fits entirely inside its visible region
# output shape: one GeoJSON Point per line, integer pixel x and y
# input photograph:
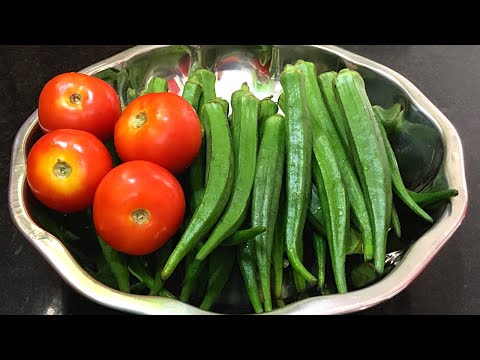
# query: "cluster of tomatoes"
{"type": "Point", "coordinates": [138, 205]}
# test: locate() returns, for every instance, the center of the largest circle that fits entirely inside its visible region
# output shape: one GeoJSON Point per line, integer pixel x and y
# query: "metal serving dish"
{"type": "Point", "coordinates": [234, 65]}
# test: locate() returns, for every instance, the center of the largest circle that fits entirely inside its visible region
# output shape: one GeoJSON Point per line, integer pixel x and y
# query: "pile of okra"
{"type": "Point", "coordinates": [318, 159]}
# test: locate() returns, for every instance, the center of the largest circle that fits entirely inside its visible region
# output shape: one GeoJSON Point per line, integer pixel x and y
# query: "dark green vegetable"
{"type": "Point", "coordinates": [192, 92]}
{"type": "Point", "coordinates": [204, 79]}
{"type": "Point", "coordinates": [268, 108]}
{"type": "Point", "coordinates": [388, 117]}
{"type": "Point", "coordinates": [218, 185]}
{"type": "Point", "coordinates": [398, 185]}
{"type": "Point", "coordinates": [108, 75]}
{"type": "Point", "coordinates": [137, 269]}
{"type": "Point", "coordinates": [43, 216]}
{"type": "Point", "coordinates": [418, 147]}
{"type": "Point", "coordinates": [278, 248]}
{"type": "Point", "coordinates": [165, 293]}
{"type": "Point", "coordinates": [131, 95]}
{"type": "Point", "coordinates": [334, 202]}
{"type": "Point", "coordinates": [298, 165]}
{"type": "Point", "coordinates": [242, 236]}
{"type": "Point", "coordinates": [139, 288]}
{"type": "Point", "coordinates": [161, 258]}
{"type": "Point", "coordinates": [326, 81]}
{"type": "Point", "coordinates": [118, 265]}
{"type": "Point", "coordinates": [207, 79]}
{"type": "Point", "coordinates": [320, 246]}
{"type": "Point", "coordinates": [244, 135]}
{"type": "Point", "coordinates": [193, 270]}
{"type": "Point", "coordinates": [220, 265]}
{"type": "Point", "coordinates": [396, 222]}
{"type": "Point", "coordinates": [425, 199]}
{"type": "Point", "coordinates": [323, 125]}
{"type": "Point", "coordinates": [354, 242]}
{"type": "Point", "coordinates": [200, 284]}
{"type": "Point", "coordinates": [266, 196]}
{"type": "Point", "coordinates": [157, 85]}
{"type": "Point", "coordinates": [370, 157]}
{"type": "Point", "coordinates": [299, 281]}
{"type": "Point", "coordinates": [225, 105]}
{"type": "Point", "coordinates": [326, 174]}
{"type": "Point", "coordinates": [315, 213]}
{"type": "Point", "coordinates": [363, 275]}
{"type": "Point", "coordinates": [122, 87]}
{"type": "Point", "coordinates": [248, 268]}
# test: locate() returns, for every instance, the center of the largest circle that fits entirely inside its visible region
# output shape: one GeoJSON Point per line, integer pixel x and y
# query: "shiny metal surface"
{"type": "Point", "coordinates": [233, 66]}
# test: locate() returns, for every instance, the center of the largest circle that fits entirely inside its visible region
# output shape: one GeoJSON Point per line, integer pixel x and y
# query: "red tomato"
{"type": "Point", "coordinates": [138, 206]}
{"type": "Point", "coordinates": [64, 168]}
{"type": "Point", "coordinates": [160, 127]}
{"type": "Point", "coordinates": [79, 101]}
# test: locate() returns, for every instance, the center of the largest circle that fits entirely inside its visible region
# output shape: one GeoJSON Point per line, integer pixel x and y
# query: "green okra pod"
{"type": "Point", "coordinates": [278, 249]}
{"type": "Point", "coordinates": [425, 199]}
{"type": "Point", "coordinates": [266, 196]}
{"type": "Point", "coordinates": [192, 92]}
{"type": "Point", "coordinates": [334, 202]}
{"type": "Point", "coordinates": [220, 265]}
{"type": "Point", "coordinates": [244, 140]}
{"type": "Point", "coordinates": [246, 262]}
{"type": "Point", "coordinates": [193, 271]}
{"type": "Point", "coordinates": [370, 157]}
{"type": "Point", "coordinates": [137, 269]}
{"type": "Point", "coordinates": [161, 259]}
{"type": "Point", "coordinates": [199, 89]}
{"type": "Point", "coordinates": [396, 222]}
{"type": "Point", "coordinates": [157, 85]}
{"type": "Point", "coordinates": [298, 133]}
{"type": "Point", "coordinates": [244, 235]}
{"type": "Point", "coordinates": [315, 212]}
{"type": "Point", "coordinates": [320, 246]}
{"type": "Point", "coordinates": [118, 264]}
{"type": "Point", "coordinates": [326, 81]}
{"type": "Point", "coordinates": [218, 185]}
{"type": "Point", "coordinates": [268, 108]}
{"type": "Point", "coordinates": [324, 124]}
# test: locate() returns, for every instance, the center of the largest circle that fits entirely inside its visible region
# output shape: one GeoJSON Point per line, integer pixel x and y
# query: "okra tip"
{"type": "Point", "coordinates": [328, 74]}
{"type": "Point", "coordinates": [289, 68]}
{"type": "Point", "coordinates": [245, 87]}
{"type": "Point", "coordinates": [350, 73]}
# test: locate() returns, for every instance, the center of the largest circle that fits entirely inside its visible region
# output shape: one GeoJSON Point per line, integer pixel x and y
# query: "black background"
{"type": "Point", "coordinates": [448, 75]}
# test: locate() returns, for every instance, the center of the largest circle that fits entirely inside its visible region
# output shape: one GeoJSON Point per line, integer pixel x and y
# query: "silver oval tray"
{"type": "Point", "coordinates": [234, 65]}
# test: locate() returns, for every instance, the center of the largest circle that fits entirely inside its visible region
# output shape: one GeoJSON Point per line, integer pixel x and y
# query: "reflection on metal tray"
{"type": "Point", "coordinates": [433, 152]}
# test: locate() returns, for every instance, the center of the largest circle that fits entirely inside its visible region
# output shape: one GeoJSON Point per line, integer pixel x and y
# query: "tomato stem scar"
{"type": "Point", "coordinates": [62, 169]}
{"type": "Point", "coordinates": [75, 99]}
{"type": "Point", "coordinates": [139, 120]}
{"type": "Point", "coordinates": [140, 216]}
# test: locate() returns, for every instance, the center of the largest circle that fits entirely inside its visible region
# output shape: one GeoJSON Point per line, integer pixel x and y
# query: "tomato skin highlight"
{"type": "Point", "coordinates": [160, 127]}
{"type": "Point", "coordinates": [87, 159]}
{"type": "Point", "coordinates": [78, 101]}
{"type": "Point", "coordinates": [132, 188]}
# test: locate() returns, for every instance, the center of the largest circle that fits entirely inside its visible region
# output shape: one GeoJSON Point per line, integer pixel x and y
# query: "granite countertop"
{"type": "Point", "coordinates": [448, 75]}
